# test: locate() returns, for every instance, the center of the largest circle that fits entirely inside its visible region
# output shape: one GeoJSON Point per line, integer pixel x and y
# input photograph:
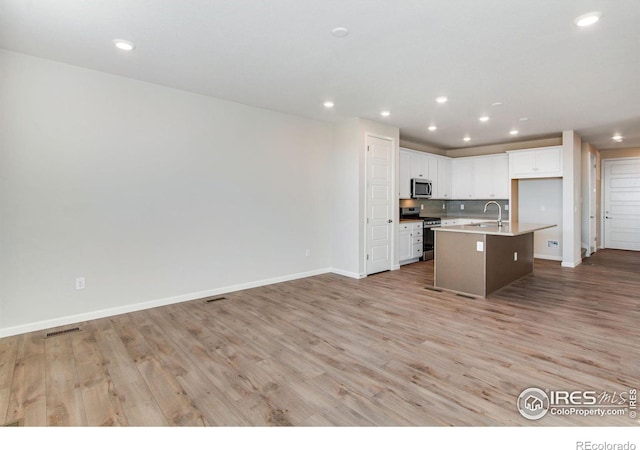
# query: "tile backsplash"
{"type": "Point", "coordinates": [453, 208]}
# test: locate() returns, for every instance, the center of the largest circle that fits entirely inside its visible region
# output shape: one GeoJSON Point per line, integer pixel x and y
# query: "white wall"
{"type": "Point", "coordinates": [152, 194]}
{"type": "Point", "coordinates": [540, 201]}
{"type": "Point", "coordinates": [345, 184]}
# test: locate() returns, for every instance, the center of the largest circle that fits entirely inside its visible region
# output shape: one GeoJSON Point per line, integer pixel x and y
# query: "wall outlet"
{"type": "Point", "coordinates": [553, 244]}
{"type": "Point", "coordinates": [422, 207]}
{"type": "Point", "coordinates": [80, 283]}
{"type": "Point", "coordinates": [506, 207]}
{"type": "Point", "coordinates": [307, 252]}
{"type": "Point", "coordinates": [444, 206]}
{"type": "Point", "coordinates": [461, 206]}
{"type": "Point", "coordinates": [515, 256]}
{"type": "Point", "coordinates": [479, 246]}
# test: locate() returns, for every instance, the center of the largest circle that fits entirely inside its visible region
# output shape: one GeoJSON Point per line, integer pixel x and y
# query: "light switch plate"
{"type": "Point", "coordinates": [480, 246]}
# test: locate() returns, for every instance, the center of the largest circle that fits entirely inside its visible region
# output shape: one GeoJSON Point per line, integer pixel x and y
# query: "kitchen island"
{"type": "Point", "coordinates": [481, 258]}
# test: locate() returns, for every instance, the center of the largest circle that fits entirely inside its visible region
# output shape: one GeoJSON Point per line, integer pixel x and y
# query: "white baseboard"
{"type": "Point", "coordinates": [346, 273]}
{"type": "Point", "coordinates": [108, 312]}
{"type": "Point", "coordinates": [572, 265]}
{"type": "Point", "coordinates": [548, 257]}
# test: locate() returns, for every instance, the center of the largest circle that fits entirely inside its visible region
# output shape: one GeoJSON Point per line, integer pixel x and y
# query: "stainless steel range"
{"type": "Point", "coordinates": [429, 224]}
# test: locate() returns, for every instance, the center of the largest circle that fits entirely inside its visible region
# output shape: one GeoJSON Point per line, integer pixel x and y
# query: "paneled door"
{"type": "Point", "coordinates": [379, 201]}
{"type": "Point", "coordinates": [621, 180]}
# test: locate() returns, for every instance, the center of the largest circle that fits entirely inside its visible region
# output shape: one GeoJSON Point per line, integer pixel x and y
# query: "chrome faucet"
{"type": "Point", "coordinates": [499, 210]}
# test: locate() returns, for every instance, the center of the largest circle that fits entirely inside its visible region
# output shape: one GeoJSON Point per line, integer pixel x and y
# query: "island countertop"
{"type": "Point", "coordinates": [492, 228]}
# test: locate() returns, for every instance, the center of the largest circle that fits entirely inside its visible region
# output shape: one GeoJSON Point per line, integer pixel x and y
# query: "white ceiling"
{"type": "Point", "coordinates": [399, 55]}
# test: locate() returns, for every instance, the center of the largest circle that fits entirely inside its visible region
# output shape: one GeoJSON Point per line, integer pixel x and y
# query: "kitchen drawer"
{"type": "Point", "coordinates": [416, 240]}
{"type": "Point", "coordinates": [406, 226]}
{"type": "Point", "coordinates": [418, 231]}
{"type": "Point", "coordinates": [417, 250]}
{"type": "Point", "coordinates": [418, 226]}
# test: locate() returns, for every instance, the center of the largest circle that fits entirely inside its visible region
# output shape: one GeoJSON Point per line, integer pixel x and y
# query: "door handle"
{"type": "Point", "coordinates": [607, 217]}
{"type": "Point", "coordinates": [389, 220]}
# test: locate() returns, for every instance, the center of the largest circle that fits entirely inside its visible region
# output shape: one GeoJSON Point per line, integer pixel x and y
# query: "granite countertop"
{"type": "Point", "coordinates": [508, 229]}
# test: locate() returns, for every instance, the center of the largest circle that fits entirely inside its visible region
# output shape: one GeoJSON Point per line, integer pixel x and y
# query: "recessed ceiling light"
{"type": "Point", "coordinates": [432, 128]}
{"type": "Point", "coordinates": [484, 119]}
{"type": "Point", "coordinates": [588, 19]}
{"type": "Point", "coordinates": [328, 104]}
{"type": "Point", "coordinates": [123, 44]}
{"type": "Point", "coordinates": [513, 132]}
{"type": "Point", "coordinates": [442, 99]}
{"type": "Point", "coordinates": [617, 138]}
{"type": "Point", "coordinates": [385, 113]}
{"type": "Point", "coordinates": [496, 104]}
{"type": "Point", "coordinates": [466, 139]}
{"type": "Point", "coordinates": [340, 32]}
{"type": "Point", "coordinates": [523, 119]}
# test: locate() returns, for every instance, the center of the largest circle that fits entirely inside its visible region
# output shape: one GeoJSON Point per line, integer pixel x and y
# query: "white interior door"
{"type": "Point", "coordinates": [622, 204]}
{"type": "Point", "coordinates": [379, 204]}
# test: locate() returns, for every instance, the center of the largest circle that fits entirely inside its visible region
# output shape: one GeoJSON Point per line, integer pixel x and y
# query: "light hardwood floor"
{"type": "Point", "coordinates": [329, 350]}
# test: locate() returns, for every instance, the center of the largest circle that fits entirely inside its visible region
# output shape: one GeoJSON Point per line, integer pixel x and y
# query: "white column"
{"type": "Point", "coordinates": [571, 206]}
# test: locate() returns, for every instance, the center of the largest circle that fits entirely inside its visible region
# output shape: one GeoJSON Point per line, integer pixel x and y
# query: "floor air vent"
{"type": "Point", "coordinates": [58, 333]}
{"type": "Point", "coordinates": [433, 289]}
{"type": "Point", "coordinates": [466, 296]}
{"type": "Point", "coordinates": [214, 299]}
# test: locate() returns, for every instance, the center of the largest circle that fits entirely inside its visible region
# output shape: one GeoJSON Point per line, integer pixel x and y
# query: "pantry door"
{"type": "Point", "coordinates": [379, 204]}
{"type": "Point", "coordinates": [621, 222]}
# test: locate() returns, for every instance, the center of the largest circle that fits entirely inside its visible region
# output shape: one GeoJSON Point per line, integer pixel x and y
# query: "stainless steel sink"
{"type": "Point", "coordinates": [484, 225]}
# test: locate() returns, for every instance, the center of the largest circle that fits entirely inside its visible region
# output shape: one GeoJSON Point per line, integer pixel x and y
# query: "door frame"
{"type": "Point", "coordinates": [603, 183]}
{"type": "Point", "coordinates": [593, 204]}
{"type": "Point", "coordinates": [393, 263]}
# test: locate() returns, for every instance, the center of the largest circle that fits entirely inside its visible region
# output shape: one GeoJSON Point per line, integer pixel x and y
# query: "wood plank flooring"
{"type": "Point", "coordinates": [333, 351]}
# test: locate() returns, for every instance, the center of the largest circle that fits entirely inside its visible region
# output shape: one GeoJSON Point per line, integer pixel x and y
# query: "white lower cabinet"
{"type": "Point", "coordinates": [410, 242]}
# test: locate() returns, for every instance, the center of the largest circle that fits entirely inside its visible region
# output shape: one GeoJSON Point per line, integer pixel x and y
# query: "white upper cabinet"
{"type": "Point", "coordinates": [442, 189]}
{"type": "Point", "coordinates": [492, 177]}
{"type": "Point", "coordinates": [544, 162]}
{"type": "Point", "coordinates": [473, 177]}
{"type": "Point", "coordinates": [414, 164]}
{"type": "Point", "coordinates": [405, 174]}
{"type": "Point", "coordinates": [463, 185]}
{"type": "Point", "coordinates": [419, 165]}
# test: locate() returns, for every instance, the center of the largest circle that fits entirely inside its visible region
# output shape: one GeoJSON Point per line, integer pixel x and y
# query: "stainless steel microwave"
{"type": "Point", "coordinates": [421, 188]}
